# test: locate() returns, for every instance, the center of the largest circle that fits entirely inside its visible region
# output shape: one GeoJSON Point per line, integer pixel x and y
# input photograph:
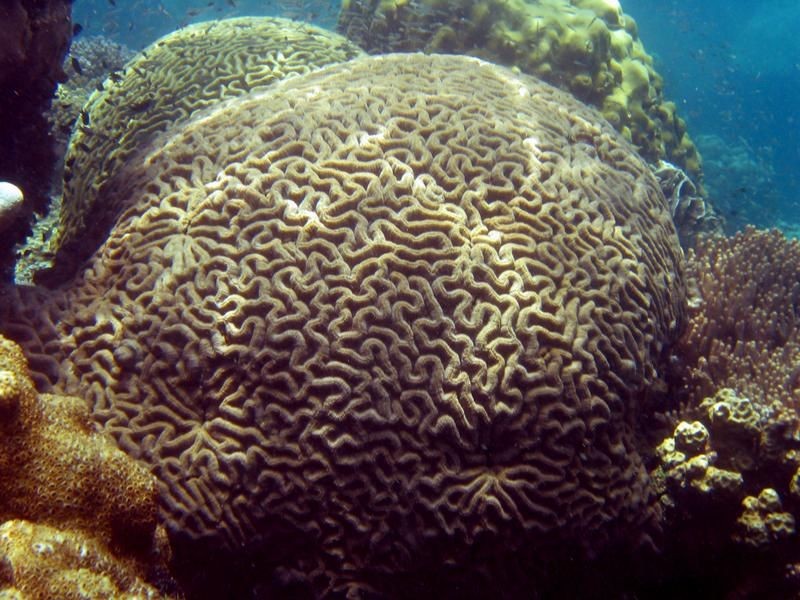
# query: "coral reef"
{"type": "Point", "coordinates": [735, 370]}
{"type": "Point", "coordinates": [385, 317]}
{"type": "Point", "coordinates": [34, 36]}
{"type": "Point", "coordinates": [177, 76]}
{"type": "Point", "coordinates": [744, 319]}
{"type": "Point", "coordinates": [588, 47]}
{"type": "Point", "coordinates": [739, 181]}
{"type": "Point", "coordinates": [722, 478]}
{"type": "Point", "coordinates": [692, 214]}
{"type": "Point", "coordinates": [88, 64]}
{"type": "Point", "coordinates": [75, 509]}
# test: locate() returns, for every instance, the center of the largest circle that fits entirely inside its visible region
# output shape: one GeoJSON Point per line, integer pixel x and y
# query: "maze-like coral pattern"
{"type": "Point", "coordinates": [392, 303]}
{"type": "Point", "coordinates": [180, 74]}
{"type": "Point", "coordinates": [587, 47]}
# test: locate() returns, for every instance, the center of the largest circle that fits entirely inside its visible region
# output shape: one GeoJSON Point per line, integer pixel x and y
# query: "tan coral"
{"type": "Point", "coordinates": [379, 314]}
{"type": "Point", "coordinates": [744, 326]}
{"type": "Point", "coordinates": [687, 463]}
{"type": "Point", "coordinates": [587, 47]}
{"type": "Point", "coordinates": [172, 79]}
{"type": "Point", "coordinates": [39, 562]}
{"type": "Point", "coordinates": [57, 470]}
{"type": "Point", "coordinates": [763, 520]}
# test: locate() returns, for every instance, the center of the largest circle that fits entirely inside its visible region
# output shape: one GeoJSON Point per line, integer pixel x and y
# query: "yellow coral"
{"type": "Point", "coordinates": [763, 520]}
{"type": "Point", "coordinates": [57, 470]}
{"type": "Point", "coordinates": [687, 463]}
{"type": "Point", "coordinates": [588, 47]}
{"type": "Point", "coordinates": [44, 563]}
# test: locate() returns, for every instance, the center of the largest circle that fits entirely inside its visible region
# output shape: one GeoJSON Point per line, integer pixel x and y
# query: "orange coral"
{"type": "Point", "coordinates": [72, 482]}
{"type": "Point", "coordinates": [43, 562]}
{"type": "Point", "coordinates": [744, 319]}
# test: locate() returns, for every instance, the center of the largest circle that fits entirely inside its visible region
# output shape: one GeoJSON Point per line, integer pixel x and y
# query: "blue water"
{"type": "Point", "coordinates": [731, 66]}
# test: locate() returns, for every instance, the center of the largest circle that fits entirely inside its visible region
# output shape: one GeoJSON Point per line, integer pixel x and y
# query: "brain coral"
{"type": "Point", "coordinates": [588, 47]}
{"type": "Point", "coordinates": [185, 71]}
{"type": "Point", "coordinates": [381, 317]}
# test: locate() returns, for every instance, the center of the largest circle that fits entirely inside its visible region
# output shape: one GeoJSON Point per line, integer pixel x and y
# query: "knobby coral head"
{"type": "Point", "coordinates": [386, 316]}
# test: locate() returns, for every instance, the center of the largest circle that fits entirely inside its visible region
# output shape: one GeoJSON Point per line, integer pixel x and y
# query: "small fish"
{"type": "Point", "coordinates": [85, 116]}
{"type": "Point", "coordinates": [112, 2]}
{"type": "Point", "coordinates": [76, 29]}
{"type": "Point", "coordinates": [115, 76]}
{"type": "Point", "coordinates": [76, 64]}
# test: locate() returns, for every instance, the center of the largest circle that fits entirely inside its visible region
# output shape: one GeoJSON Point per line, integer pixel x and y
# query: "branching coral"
{"type": "Point", "coordinates": [744, 319]}
{"type": "Point", "coordinates": [737, 370]}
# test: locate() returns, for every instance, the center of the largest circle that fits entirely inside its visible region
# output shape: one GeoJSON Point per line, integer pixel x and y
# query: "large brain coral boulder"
{"type": "Point", "coordinates": [180, 74]}
{"type": "Point", "coordinates": [587, 47]}
{"type": "Point", "coordinates": [383, 317]}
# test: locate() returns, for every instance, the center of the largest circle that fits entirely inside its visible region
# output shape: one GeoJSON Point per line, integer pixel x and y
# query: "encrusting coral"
{"type": "Point", "coordinates": [175, 77]}
{"type": "Point", "coordinates": [41, 562]}
{"type": "Point", "coordinates": [78, 515]}
{"type": "Point", "coordinates": [734, 447]}
{"type": "Point", "coordinates": [587, 47]}
{"type": "Point", "coordinates": [727, 476]}
{"type": "Point", "coordinates": [392, 315]}
{"type": "Point", "coordinates": [763, 520]}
